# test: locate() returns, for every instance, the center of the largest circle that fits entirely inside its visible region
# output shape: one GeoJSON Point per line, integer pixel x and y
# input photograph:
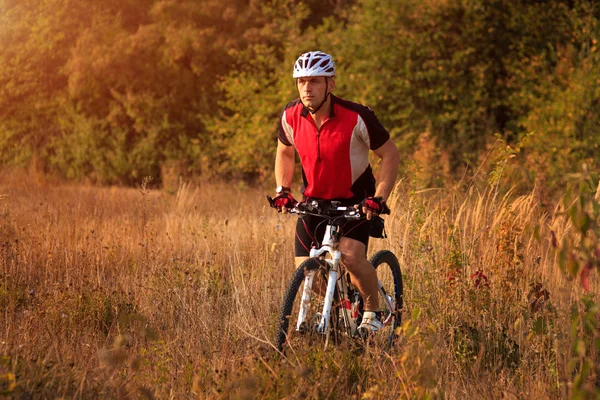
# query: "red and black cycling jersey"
{"type": "Point", "coordinates": [334, 158]}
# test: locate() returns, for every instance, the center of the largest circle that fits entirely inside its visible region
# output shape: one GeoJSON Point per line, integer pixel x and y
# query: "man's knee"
{"type": "Point", "coordinates": [353, 253]}
{"type": "Point", "coordinates": [352, 261]}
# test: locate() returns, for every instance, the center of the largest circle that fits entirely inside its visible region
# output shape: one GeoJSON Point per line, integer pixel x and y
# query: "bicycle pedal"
{"type": "Point", "coordinates": [320, 329]}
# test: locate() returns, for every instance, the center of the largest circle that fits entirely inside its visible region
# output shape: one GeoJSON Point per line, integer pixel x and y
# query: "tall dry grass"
{"type": "Point", "coordinates": [136, 293]}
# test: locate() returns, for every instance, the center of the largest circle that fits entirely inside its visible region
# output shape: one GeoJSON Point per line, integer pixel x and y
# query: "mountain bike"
{"type": "Point", "coordinates": [337, 314]}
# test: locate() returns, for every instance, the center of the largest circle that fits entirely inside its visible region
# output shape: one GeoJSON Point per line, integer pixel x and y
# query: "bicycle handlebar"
{"type": "Point", "coordinates": [324, 208]}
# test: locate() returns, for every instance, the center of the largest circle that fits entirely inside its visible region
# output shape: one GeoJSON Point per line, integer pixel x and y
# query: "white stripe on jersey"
{"type": "Point", "coordinates": [287, 128]}
{"type": "Point", "coordinates": [359, 149]}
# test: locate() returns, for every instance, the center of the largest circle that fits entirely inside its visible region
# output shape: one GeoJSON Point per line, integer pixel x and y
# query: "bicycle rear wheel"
{"type": "Point", "coordinates": [390, 276]}
{"type": "Point", "coordinates": [289, 335]}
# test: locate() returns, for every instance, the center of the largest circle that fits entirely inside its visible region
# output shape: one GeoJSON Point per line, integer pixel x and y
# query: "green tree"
{"type": "Point", "coordinates": [244, 132]}
{"type": "Point", "coordinates": [454, 68]}
{"type": "Point", "coordinates": [563, 119]}
{"type": "Point", "coordinates": [146, 88]}
{"type": "Point", "coordinates": [35, 37]}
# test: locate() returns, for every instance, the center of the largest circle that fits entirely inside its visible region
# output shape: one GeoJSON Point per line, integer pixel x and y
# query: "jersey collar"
{"type": "Point", "coordinates": [332, 100]}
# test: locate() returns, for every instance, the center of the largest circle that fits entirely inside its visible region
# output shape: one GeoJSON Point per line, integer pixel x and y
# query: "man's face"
{"type": "Point", "coordinates": [312, 89]}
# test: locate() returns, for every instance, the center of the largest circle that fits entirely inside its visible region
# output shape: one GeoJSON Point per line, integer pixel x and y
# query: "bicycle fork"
{"type": "Point", "coordinates": [324, 323]}
{"type": "Point", "coordinates": [346, 307]}
{"type": "Point", "coordinates": [306, 291]}
{"type": "Point", "coordinates": [330, 241]}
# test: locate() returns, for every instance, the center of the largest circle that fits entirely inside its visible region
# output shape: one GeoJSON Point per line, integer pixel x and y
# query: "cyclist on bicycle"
{"type": "Point", "coordinates": [333, 137]}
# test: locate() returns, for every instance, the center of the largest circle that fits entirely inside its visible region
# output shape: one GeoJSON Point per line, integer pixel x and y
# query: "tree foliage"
{"type": "Point", "coordinates": [111, 90]}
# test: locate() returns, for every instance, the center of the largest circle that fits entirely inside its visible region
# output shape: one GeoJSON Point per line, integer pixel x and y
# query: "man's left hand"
{"type": "Point", "coordinates": [374, 205]}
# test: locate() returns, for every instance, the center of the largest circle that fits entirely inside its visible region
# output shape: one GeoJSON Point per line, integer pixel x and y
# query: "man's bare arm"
{"type": "Point", "coordinates": [284, 164]}
{"type": "Point", "coordinates": [390, 160]}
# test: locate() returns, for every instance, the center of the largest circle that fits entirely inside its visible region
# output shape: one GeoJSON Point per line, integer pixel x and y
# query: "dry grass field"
{"type": "Point", "coordinates": [137, 293]}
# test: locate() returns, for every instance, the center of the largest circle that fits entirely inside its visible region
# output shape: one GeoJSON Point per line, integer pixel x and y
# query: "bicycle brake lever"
{"type": "Point", "coordinates": [386, 209]}
{"type": "Point", "coordinates": [356, 214]}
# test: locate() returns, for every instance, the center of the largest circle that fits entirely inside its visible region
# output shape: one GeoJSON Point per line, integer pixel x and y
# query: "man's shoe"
{"type": "Point", "coordinates": [371, 323]}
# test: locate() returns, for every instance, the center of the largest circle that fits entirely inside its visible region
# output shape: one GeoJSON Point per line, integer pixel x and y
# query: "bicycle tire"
{"type": "Point", "coordinates": [391, 279]}
{"type": "Point", "coordinates": [290, 305]}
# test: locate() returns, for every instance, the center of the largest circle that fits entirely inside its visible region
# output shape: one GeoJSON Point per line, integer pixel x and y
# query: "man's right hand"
{"type": "Point", "coordinates": [284, 201]}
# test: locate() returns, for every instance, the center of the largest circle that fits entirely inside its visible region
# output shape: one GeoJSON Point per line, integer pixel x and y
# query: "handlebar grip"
{"type": "Point", "coordinates": [271, 202]}
{"type": "Point", "coordinates": [384, 207]}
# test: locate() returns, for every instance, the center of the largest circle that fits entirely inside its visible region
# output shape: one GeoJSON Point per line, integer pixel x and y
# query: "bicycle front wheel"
{"type": "Point", "coordinates": [291, 333]}
{"type": "Point", "coordinates": [390, 296]}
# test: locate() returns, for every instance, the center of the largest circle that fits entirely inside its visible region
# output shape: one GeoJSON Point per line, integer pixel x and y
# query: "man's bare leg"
{"type": "Point", "coordinates": [361, 271]}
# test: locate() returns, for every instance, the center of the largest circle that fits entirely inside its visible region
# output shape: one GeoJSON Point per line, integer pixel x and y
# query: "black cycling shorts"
{"type": "Point", "coordinates": [310, 230]}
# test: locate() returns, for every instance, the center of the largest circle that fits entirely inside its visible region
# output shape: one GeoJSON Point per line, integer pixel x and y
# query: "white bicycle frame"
{"type": "Point", "coordinates": [330, 245]}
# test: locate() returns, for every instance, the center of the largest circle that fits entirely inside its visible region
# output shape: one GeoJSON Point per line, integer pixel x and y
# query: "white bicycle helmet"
{"type": "Point", "coordinates": [314, 63]}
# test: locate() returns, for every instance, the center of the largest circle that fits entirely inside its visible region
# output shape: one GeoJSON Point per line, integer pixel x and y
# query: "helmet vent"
{"type": "Point", "coordinates": [314, 63]}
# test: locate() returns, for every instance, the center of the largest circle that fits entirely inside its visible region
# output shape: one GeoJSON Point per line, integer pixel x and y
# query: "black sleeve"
{"type": "Point", "coordinates": [378, 135]}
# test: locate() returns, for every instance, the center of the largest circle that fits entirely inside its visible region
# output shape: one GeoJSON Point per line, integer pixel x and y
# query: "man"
{"type": "Point", "coordinates": [333, 137]}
